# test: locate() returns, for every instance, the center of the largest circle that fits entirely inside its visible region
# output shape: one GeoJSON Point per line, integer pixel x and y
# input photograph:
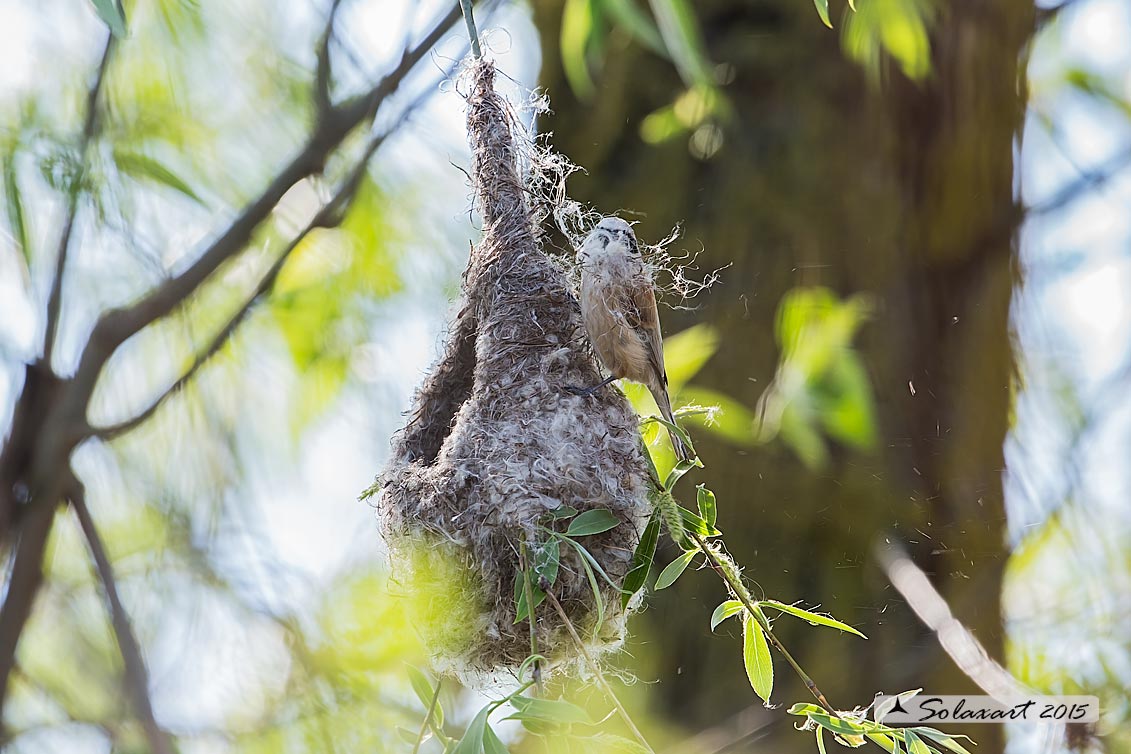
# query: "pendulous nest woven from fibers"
{"type": "Point", "coordinates": [495, 443]}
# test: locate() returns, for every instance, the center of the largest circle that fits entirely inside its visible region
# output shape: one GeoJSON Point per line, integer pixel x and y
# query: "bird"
{"type": "Point", "coordinates": [618, 310]}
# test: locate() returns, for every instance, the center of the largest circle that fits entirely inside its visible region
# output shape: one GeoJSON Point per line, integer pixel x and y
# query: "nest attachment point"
{"type": "Point", "coordinates": [495, 443]}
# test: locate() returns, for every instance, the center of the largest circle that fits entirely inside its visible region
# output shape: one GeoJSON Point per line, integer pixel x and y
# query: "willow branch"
{"type": "Point", "coordinates": [740, 591]}
{"type": "Point", "coordinates": [89, 129]}
{"type": "Point", "coordinates": [136, 677]}
{"type": "Point", "coordinates": [596, 669]}
{"type": "Point", "coordinates": [328, 216]}
{"type": "Point", "coordinates": [114, 327]}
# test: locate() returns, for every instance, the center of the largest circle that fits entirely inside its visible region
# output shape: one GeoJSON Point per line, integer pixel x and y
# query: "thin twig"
{"type": "Point", "coordinates": [114, 327]}
{"type": "Point", "coordinates": [89, 129]}
{"type": "Point", "coordinates": [323, 75]}
{"type": "Point", "coordinates": [597, 671]}
{"type": "Point", "coordinates": [428, 717]}
{"type": "Point", "coordinates": [328, 215]}
{"type": "Point", "coordinates": [472, 33]}
{"type": "Point", "coordinates": [528, 588]}
{"type": "Point", "coordinates": [136, 677]}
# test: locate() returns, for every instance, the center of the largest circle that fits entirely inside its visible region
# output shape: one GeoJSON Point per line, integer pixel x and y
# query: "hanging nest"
{"type": "Point", "coordinates": [495, 443]}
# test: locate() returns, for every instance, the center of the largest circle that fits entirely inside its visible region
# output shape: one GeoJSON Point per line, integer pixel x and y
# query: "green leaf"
{"type": "Point", "coordinates": [491, 742]}
{"type": "Point", "coordinates": [915, 744]}
{"type": "Point", "coordinates": [546, 561]}
{"type": "Point", "coordinates": [888, 743]}
{"type": "Point", "coordinates": [627, 14]}
{"type": "Point", "coordinates": [944, 739]}
{"type": "Point", "coordinates": [521, 611]}
{"type": "Point", "coordinates": [804, 708]}
{"type": "Point", "coordinates": [680, 31]}
{"type": "Point", "coordinates": [674, 570]}
{"type": "Point", "coordinates": [823, 11]}
{"type": "Point", "coordinates": [17, 219]}
{"type": "Point", "coordinates": [756, 657]}
{"type": "Point", "coordinates": [424, 692]}
{"type": "Point", "coordinates": [685, 438]}
{"type": "Point", "coordinates": [694, 523]}
{"type": "Point", "coordinates": [577, 29]}
{"type": "Point", "coordinates": [472, 741]}
{"type": "Point", "coordinates": [838, 725]}
{"type": "Point", "coordinates": [143, 167]}
{"type": "Point", "coordinates": [724, 611]}
{"type": "Point", "coordinates": [598, 600]}
{"type": "Point", "coordinates": [563, 512]}
{"type": "Point", "coordinates": [707, 507]}
{"type": "Point", "coordinates": [821, 739]}
{"type": "Point", "coordinates": [883, 708]}
{"type": "Point", "coordinates": [678, 471]}
{"type": "Point", "coordinates": [112, 14]}
{"type": "Point", "coordinates": [592, 522]}
{"type": "Point", "coordinates": [549, 711]}
{"type": "Point", "coordinates": [642, 559]}
{"type": "Point", "coordinates": [812, 618]}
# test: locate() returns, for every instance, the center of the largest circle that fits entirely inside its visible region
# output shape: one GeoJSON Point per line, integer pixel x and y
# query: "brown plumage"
{"type": "Point", "coordinates": [618, 307]}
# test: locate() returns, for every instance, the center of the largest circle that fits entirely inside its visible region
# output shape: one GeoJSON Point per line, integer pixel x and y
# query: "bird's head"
{"type": "Point", "coordinates": [611, 236]}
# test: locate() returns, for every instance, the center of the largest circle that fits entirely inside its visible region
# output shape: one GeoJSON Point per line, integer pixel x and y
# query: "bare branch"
{"type": "Point", "coordinates": [323, 76]}
{"type": "Point", "coordinates": [328, 216]}
{"type": "Point", "coordinates": [89, 129]}
{"type": "Point", "coordinates": [955, 638]}
{"type": "Point", "coordinates": [136, 677]}
{"type": "Point", "coordinates": [117, 325]}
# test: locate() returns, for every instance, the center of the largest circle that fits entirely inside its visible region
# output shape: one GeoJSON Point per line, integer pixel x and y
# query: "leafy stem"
{"type": "Point", "coordinates": [739, 590]}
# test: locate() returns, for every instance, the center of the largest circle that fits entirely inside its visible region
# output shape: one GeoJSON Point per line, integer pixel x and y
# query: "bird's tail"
{"type": "Point", "coordinates": [665, 404]}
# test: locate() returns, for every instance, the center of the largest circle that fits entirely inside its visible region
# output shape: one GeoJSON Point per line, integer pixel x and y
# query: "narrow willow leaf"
{"type": "Point", "coordinates": [111, 13]}
{"type": "Point", "coordinates": [943, 739]}
{"type": "Point", "coordinates": [492, 744]}
{"type": "Point", "coordinates": [694, 523]}
{"type": "Point", "coordinates": [724, 611]}
{"type": "Point", "coordinates": [547, 558]}
{"type": "Point", "coordinates": [143, 167]}
{"type": "Point", "coordinates": [707, 507]}
{"type": "Point", "coordinates": [521, 611]}
{"type": "Point", "coordinates": [680, 31]}
{"type": "Point", "coordinates": [549, 710]}
{"type": "Point", "coordinates": [883, 708]}
{"type": "Point", "coordinates": [823, 11]}
{"type": "Point", "coordinates": [563, 512]}
{"type": "Point", "coordinates": [685, 438]}
{"type": "Point", "coordinates": [410, 736]}
{"type": "Point", "coordinates": [17, 219]}
{"type": "Point", "coordinates": [915, 744]}
{"type": "Point", "coordinates": [642, 559]}
{"type": "Point", "coordinates": [884, 741]}
{"type": "Point", "coordinates": [587, 558]}
{"type": "Point", "coordinates": [756, 657]}
{"type": "Point", "coordinates": [821, 740]}
{"type": "Point", "coordinates": [592, 522]}
{"type": "Point", "coordinates": [678, 471]}
{"type": "Point", "coordinates": [838, 725]}
{"type": "Point", "coordinates": [637, 23]}
{"type": "Point", "coordinates": [424, 692]}
{"type": "Point", "coordinates": [804, 708]}
{"type": "Point", "coordinates": [674, 570]}
{"type": "Point", "coordinates": [472, 741]}
{"type": "Point", "coordinates": [852, 4]}
{"type": "Point", "coordinates": [813, 618]}
{"type": "Point", "coordinates": [576, 32]}
{"type": "Point", "coordinates": [594, 587]}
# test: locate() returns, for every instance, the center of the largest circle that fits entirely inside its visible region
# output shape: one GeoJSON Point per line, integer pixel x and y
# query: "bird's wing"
{"type": "Point", "coordinates": [644, 318]}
